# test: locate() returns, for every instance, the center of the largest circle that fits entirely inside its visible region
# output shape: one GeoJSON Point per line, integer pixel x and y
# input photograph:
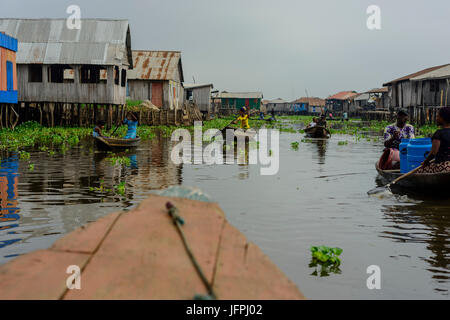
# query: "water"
{"type": "Point", "coordinates": [318, 197]}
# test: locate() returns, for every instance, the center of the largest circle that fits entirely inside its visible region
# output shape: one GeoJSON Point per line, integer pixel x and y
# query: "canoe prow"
{"type": "Point", "coordinates": [107, 143]}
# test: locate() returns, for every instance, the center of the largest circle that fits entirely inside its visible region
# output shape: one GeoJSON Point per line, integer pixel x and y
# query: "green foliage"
{"type": "Point", "coordinates": [133, 103]}
{"type": "Point", "coordinates": [294, 145]}
{"type": "Point", "coordinates": [23, 155]}
{"type": "Point", "coordinates": [31, 167]}
{"type": "Point", "coordinates": [32, 134]}
{"type": "Point", "coordinates": [120, 160]}
{"type": "Point", "coordinates": [327, 259]}
{"type": "Point", "coordinates": [120, 188]}
{"type": "Point", "coordinates": [342, 143]}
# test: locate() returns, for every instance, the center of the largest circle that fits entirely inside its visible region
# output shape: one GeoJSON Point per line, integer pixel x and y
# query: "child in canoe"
{"type": "Point", "coordinates": [132, 123]}
{"type": "Point", "coordinates": [440, 151]}
{"type": "Point", "coordinates": [98, 129]}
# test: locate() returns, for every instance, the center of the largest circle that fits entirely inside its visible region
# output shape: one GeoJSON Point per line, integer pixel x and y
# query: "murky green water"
{"type": "Point", "coordinates": [318, 197]}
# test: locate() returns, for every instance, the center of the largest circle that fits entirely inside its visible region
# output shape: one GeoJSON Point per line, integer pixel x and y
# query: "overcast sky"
{"type": "Point", "coordinates": [281, 47]}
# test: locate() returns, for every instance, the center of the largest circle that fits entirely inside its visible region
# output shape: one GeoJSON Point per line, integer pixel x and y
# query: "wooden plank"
{"type": "Point", "coordinates": [143, 256]}
{"type": "Point", "coordinates": [245, 273]}
{"type": "Point", "coordinates": [38, 275]}
{"type": "Point", "coordinates": [86, 239]}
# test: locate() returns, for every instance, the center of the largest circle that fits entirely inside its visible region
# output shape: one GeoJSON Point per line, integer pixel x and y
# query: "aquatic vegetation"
{"type": "Point", "coordinates": [342, 143]}
{"type": "Point", "coordinates": [31, 167]}
{"type": "Point", "coordinates": [306, 140]}
{"type": "Point", "coordinates": [294, 145]}
{"type": "Point", "coordinates": [32, 134]}
{"type": "Point", "coordinates": [101, 188]}
{"type": "Point", "coordinates": [120, 160]}
{"type": "Point", "coordinates": [23, 155]}
{"type": "Point", "coordinates": [120, 188]}
{"type": "Point", "coordinates": [327, 258]}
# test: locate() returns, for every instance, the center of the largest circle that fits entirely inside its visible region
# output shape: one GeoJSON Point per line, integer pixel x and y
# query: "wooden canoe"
{"type": "Point", "coordinates": [106, 143]}
{"type": "Point", "coordinates": [249, 134]}
{"type": "Point", "coordinates": [419, 181]}
{"type": "Point", "coordinates": [317, 132]}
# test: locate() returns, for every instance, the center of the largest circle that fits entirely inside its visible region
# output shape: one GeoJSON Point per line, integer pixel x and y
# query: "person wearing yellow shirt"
{"type": "Point", "coordinates": [243, 118]}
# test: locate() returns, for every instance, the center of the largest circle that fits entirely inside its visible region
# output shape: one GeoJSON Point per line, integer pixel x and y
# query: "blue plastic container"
{"type": "Point", "coordinates": [404, 155]}
{"type": "Point", "coordinates": [418, 150]}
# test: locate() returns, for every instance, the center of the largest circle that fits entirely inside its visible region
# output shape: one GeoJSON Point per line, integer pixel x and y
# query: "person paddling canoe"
{"type": "Point", "coordinates": [131, 121]}
{"type": "Point", "coordinates": [243, 118]}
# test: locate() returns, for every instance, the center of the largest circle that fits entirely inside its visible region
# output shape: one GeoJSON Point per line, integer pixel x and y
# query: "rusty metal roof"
{"type": "Point", "coordinates": [343, 95]}
{"type": "Point", "coordinates": [156, 65]}
{"type": "Point", "coordinates": [50, 41]}
{"type": "Point", "coordinates": [378, 90]}
{"type": "Point", "coordinates": [414, 75]}
{"type": "Point", "coordinates": [312, 101]}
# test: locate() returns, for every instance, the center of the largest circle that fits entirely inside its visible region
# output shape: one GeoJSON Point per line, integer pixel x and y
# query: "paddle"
{"type": "Point", "coordinates": [117, 127]}
{"type": "Point", "coordinates": [388, 186]}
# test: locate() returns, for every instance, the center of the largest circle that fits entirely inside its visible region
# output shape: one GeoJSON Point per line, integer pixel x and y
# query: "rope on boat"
{"type": "Point", "coordinates": [179, 222]}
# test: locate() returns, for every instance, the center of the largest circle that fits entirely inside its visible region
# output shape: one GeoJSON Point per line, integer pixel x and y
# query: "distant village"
{"type": "Point", "coordinates": [60, 76]}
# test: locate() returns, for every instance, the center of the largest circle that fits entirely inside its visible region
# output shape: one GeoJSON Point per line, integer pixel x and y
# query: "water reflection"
{"type": "Point", "coordinates": [321, 145]}
{"type": "Point", "coordinates": [424, 222]}
{"type": "Point", "coordinates": [9, 204]}
{"type": "Point", "coordinates": [317, 197]}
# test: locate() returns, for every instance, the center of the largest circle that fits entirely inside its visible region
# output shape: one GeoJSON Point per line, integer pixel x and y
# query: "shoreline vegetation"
{"type": "Point", "coordinates": [32, 136]}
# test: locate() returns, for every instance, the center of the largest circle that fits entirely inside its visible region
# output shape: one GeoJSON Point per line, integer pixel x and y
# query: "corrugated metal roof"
{"type": "Point", "coordinates": [378, 90]}
{"type": "Point", "coordinates": [362, 97]}
{"type": "Point", "coordinates": [276, 101]}
{"type": "Point", "coordinates": [343, 95]}
{"type": "Point", "coordinates": [195, 85]}
{"type": "Point", "coordinates": [49, 41]}
{"type": "Point", "coordinates": [414, 75]}
{"type": "Point", "coordinates": [241, 95]}
{"type": "Point", "coordinates": [441, 73]}
{"type": "Point", "coordinates": [312, 101]}
{"type": "Point", "coordinates": [156, 65]}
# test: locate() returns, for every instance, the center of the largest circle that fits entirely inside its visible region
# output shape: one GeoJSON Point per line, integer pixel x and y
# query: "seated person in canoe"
{"type": "Point", "coordinates": [313, 123]}
{"type": "Point", "coordinates": [440, 151]}
{"type": "Point", "coordinates": [131, 121]}
{"type": "Point", "coordinates": [393, 135]}
{"type": "Point", "coordinates": [98, 129]}
{"type": "Point", "coordinates": [322, 122]}
{"type": "Point", "coordinates": [272, 113]}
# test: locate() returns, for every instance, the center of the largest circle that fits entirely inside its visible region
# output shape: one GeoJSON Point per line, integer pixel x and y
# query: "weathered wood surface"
{"type": "Point", "coordinates": [140, 255]}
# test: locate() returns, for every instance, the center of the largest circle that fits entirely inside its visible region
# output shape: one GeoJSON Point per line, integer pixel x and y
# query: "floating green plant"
{"type": "Point", "coordinates": [120, 160]}
{"type": "Point", "coordinates": [294, 145]}
{"type": "Point", "coordinates": [327, 259]}
{"type": "Point", "coordinates": [23, 155]}
{"type": "Point", "coordinates": [120, 188]}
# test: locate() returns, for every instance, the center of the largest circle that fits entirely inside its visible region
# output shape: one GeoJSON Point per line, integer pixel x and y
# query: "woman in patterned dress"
{"type": "Point", "coordinates": [440, 151]}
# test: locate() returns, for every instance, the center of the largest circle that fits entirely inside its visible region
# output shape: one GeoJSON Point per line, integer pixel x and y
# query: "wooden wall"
{"type": "Point", "coordinates": [407, 94]}
{"type": "Point", "coordinates": [76, 92]}
{"type": "Point", "coordinates": [202, 98]}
